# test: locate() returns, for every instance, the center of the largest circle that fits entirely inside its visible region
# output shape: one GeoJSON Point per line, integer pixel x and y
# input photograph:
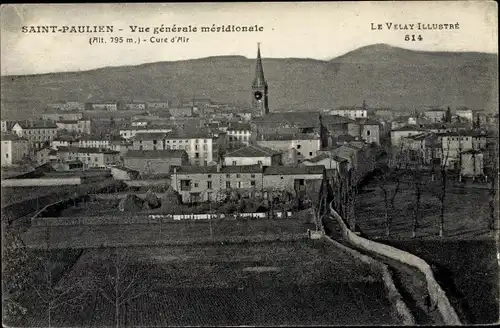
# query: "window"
{"type": "Point", "coordinates": [239, 184]}
{"type": "Point", "coordinates": [228, 184]}
{"type": "Point", "coordinates": [197, 141]}
{"type": "Point", "coordinates": [367, 132]}
{"type": "Point", "coordinates": [228, 176]}
{"type": "Point", "coordinates": [205, 147]}
{"type": "Point", "coordinates": [259, 162]}
{"type": "Point", "coordinates": [252, 183]}
{"type": "Point", "coordinates": [174, 141]}
{"type": "Point", "coordinates": [209, 176]}
{"type": "Point", "coordinates": [196, 155]}
{"type": "Point", "coordinates": [205, 140]}
{"type": "Point", "coordinates": [209, 184]}
{"type": "Point", "coordinates": [196, 184]}
{"type": "Point", "coordinates": [185, 185]}
{"type": "Point", "coordinates": [298, 146]}
{"type": "Point", "coordinates": [205, 163]}
{"type": "Point", "coordinates": [234, 162]}
{"type": "Point", "coordinates": [310, 153]}
{"type": "Point", "coordinates": [298, 153]}
{"type": "Point", "coordinates": [195, 147]}
{"type": "Point", "coordinates": [252, 176]}
{"type": "Point", "coordinates": [155, 142]}
{"type": "Point", "coordinates": [168, 141]}
{"type": "Point", "coordinates": [238, 176]}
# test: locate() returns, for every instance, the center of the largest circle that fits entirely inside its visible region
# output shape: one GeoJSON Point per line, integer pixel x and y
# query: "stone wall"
{"type": "Point", "coordinates": [436, 293]}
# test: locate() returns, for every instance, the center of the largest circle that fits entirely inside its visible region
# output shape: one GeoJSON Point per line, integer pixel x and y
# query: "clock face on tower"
{"type": "Point", "coordinates": [257, 95]}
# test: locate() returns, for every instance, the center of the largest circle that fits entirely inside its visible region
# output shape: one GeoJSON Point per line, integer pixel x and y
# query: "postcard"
{"type": "Point", "coordinates": [250, 164]}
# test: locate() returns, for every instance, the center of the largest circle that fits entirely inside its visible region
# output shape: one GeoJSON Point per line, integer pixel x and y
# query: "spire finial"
{"type": "Point", "coordinates": [259, 71]}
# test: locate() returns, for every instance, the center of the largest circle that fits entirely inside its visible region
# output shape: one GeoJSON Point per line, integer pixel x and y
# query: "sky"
{"type": "Point", "coordinates": [301, 30]}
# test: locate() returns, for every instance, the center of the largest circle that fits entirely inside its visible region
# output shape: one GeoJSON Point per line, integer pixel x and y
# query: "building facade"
{"type": "Point", "coordinates": [38, 133]}
{"type": "Point", "coordinates": [151, 162]}
{"type": "Point", "coordinates": [90, 157]}
{"type": "Point", "coordinates": [14, 149]}
{"type": "Point", "coordinates": [307, 146]}
{"type": "Point", "coordinates": [253, 155]}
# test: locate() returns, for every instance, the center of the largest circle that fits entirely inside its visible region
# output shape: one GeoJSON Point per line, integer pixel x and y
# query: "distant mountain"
{"type": "Point", "coordinates": [383, 75]}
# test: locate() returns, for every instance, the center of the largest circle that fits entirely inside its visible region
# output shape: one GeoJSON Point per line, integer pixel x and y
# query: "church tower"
{"type": "Point", "coordinates": [259, 88]}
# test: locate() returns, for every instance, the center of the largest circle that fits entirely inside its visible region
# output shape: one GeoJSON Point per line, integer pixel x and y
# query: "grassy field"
{"type": "Point", "coordinates": [466, 213]}
{"type": "Point", "coordinates": [277, 283]}
{"type": "Point", "coordinates": [85, 236]}
{"type": "Point", "coordinates": [467, 270]}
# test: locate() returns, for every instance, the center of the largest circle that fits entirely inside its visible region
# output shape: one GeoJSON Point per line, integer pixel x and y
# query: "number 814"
{"type": "Point", "coordinates": [413, 37]}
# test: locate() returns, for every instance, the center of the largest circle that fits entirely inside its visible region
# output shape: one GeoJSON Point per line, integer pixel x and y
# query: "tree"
{"type": "Point", "coordinates": [417, 181]}
{"type": "Point", "coordinates": [440, 190]}
{"type": "Point", "coordinates": [51, 291]}
{"type": "Point", "coordinates": [118, 282]}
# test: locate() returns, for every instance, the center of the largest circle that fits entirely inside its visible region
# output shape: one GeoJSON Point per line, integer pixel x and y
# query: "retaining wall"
{"type": "Point", "coordinates": [393, 294]}
{"type": "Point", "coordinates": [437, 295]}
{"type": "Point", "coordinates": [38, 220]}
{"type": "Point", "coordinates": [41, 182]}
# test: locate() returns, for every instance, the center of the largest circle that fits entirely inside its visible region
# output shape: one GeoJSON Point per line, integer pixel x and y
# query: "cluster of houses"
{"type": "Point", "coordinates": [460, 142]}
{"type": "Point", "coordinates": [207, 148]}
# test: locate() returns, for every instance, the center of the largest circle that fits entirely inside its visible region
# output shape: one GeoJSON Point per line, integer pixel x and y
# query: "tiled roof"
{"type": "Point", "coordinates": [65, 138]}
{"type": "Point", "coordinates": [350, 108]}
{"type": "Point", "coordinates": [445, 125]}
{"type": "Point", "coordinates": [317, 158]}
{"type": "Point", "coordinates": [167, 153]}
{"type": "Point", "coordinates": [304, 119]}
{"type": "Point", "coordinates": [463, 134]}
{"type": "Point", "coordinates": [252, 151]}
{"type": "Point", "coordinates": [239, 127]}
{"type": "Point", "coordinates": [150, 136]}
{"type": "Point", "coordinates": [126, 169]}
{"type": "Point", "coordinates": [10, 137]}
{"type": "Point", "coordinates": [346, 138]}
{"type": "Point", "coordinates": [335, 119]}
{"type": "Point", "coordinates": [67, 121]}
{"type": "Point", "coordinates": [419, 136]}
{"type": "Point", "coordinates": [323, 156]}
{"type": "Point", "coordinates": [37, 124]}
{"type": "Point", "coordinates": [192, 169]}
{"type": "Point", "coordinates": [89, 150]}
{"type": "Point", "coordinates": [409, 128]}
{"type": "Point", "coordinates": [367, 121]}
{"type": "Point", "coordinates": [286, 170]}
{"type": "Point", "coordinates": [277, 136]}
{"type": "Point", "coordinates": [200, 134]}
{"type": "Point", "coordinates": [435, 110]}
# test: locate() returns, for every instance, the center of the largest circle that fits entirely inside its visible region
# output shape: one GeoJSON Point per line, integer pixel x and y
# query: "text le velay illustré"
{"type": "Point", "coordinates": [414, 26]}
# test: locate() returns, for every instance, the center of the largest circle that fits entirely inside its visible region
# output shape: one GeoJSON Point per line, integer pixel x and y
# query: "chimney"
{"type": "Point", "coordinates": [175, 170]}
{"type": "Point", "coordinates": [219, 166]}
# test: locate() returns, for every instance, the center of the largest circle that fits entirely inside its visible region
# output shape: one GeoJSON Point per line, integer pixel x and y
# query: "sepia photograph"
{"type": "Point", "coordinates": [250, 164]}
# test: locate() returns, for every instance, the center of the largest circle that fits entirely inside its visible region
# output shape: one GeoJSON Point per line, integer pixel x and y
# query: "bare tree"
{"type": "Point", "coordinates": [118, 282]}
{"type": "Point", "coordinates": [389, 183]}
{"type": "Point", "coordinates": [441, 190]}
{"type": "Point", "coordinates": [417, 181]}
{"type": "Point", "coordinates": [54, 294]}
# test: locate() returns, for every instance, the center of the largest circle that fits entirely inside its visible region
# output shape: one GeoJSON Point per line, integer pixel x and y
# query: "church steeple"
{"type": "Point", "coordinates": [259, 87]}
